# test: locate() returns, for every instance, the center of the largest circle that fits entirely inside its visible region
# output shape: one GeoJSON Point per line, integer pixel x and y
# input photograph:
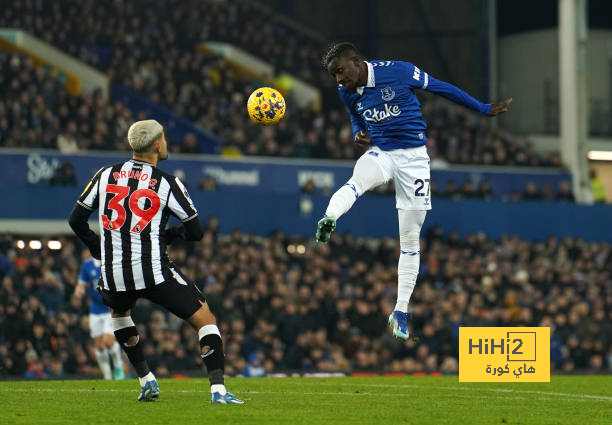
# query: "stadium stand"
{"type": "Point", "coordinates": [154, 54]}
{"type": "Point", "coordinates": [284, 305]}
{"type": "Point", "coordinates": [36, 111]}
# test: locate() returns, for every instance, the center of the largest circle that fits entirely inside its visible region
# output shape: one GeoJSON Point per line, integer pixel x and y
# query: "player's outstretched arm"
{"type": "Point", "coordinates": [460, 97]}
{"type": "Point", "coordinates": [78, 224]}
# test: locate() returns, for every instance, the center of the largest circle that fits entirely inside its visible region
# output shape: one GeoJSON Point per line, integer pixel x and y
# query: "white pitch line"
{"type": "Point", "coordinates": [501, 390]}
{"type": "Point", "coordinates": [345, 394]}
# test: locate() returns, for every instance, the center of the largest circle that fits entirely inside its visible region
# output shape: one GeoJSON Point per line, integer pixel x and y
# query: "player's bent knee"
{"type": "Point", "coordinates": [202, 317]}
{"type": "Point", "coordinates": [99, 342]}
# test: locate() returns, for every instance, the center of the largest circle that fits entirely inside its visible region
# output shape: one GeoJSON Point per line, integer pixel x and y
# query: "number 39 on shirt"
{"type": "Point", "coordinates": [119, 193]}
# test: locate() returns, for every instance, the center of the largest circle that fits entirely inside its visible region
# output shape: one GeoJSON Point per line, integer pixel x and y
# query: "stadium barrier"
{"type": "Point", "coordinates": [297, 214]}
{"type": "Point", "coordinates": [271, 175]}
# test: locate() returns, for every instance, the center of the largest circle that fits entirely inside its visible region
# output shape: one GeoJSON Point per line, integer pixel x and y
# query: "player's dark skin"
{"type": "Point", "coordinates": [352, 72]}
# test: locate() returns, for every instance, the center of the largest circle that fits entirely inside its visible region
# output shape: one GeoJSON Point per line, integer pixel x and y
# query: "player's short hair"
{"type": "Point", "coordinates": [142, 135]}
{"type": "Point", "coordinates": [339, 49]}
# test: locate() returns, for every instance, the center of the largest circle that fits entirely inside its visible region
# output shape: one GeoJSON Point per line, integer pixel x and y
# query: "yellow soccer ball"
{"type": "Point", "coordinates": [266, 106]}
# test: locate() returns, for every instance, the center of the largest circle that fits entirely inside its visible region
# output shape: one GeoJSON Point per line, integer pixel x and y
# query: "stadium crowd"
{"type": "Point", "coordinates": [37, 112]}
{"type": "Point", "coordinates": [127, 40]}
{"type": "Point", "coordinates": [104, 34]}
{"type": "Point", "coordinates": [284, 303]}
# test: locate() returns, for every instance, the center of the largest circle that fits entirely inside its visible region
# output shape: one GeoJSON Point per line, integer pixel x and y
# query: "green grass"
{"type": "Point", "coordinates": [584, 400]}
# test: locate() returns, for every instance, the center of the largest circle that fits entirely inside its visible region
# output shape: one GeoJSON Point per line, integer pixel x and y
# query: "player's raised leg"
{"type": "Point", "coordinates": [127, 336]}
{"type": "Point", "coordinates": [211, 346]}
{"type": "Point", "coordinates": [410, 223]}
{"type": "Point", "coordinates": [368, 173]}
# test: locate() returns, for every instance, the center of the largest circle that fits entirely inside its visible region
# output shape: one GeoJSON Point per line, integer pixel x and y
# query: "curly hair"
{"type": "Point", "coordinates": [337, 50]}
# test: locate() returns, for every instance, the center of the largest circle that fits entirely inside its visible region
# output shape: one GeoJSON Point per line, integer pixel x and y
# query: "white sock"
{"type": "Point", "coordinates": [115, 352]}
{"type": "Point", "coordinates": [148, 377]}
{"type": "Point", "coordinates": [218, 388]}
{"type": "Point", "coordinates": [410, 223]}
{"type": "Point", "coordinates": [407, 271]}
{"type": "Point", "coordinates": [104, 363]}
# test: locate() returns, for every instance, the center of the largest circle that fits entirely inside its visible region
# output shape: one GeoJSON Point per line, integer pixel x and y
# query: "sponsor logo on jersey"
{"type": "Point", "coordinates": [375, 115]}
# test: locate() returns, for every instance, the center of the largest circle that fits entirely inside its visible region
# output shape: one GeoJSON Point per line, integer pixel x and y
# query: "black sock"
{"type": "Point", "coordinates": [211, 347]}
{"type": "Point", "coordinates": [134, 352]}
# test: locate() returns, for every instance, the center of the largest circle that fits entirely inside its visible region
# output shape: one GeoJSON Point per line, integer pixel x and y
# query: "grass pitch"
{"type": "Point", "coordinates": [378, 400]}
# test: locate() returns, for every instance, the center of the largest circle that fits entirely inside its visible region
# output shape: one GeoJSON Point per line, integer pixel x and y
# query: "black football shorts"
{"type": "Point", "coordinates": [183, 300]}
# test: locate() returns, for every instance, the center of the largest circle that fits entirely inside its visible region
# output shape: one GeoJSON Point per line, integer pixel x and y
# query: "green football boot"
{"type": "Point", "coordinates": [325, 227]}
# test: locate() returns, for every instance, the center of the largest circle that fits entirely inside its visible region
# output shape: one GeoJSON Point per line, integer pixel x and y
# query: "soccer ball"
{"type": "Point", "coordinates": [266, 106]}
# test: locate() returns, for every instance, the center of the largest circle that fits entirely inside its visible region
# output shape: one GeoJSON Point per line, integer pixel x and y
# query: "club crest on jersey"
{"type": "Point", "coordinates": [387, 94]}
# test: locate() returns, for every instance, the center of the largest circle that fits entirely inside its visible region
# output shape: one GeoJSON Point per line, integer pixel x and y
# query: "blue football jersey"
{"type": "Point", "coordinates": [388, 109]}
{"type": "Point", "coordinates": [90, 275]}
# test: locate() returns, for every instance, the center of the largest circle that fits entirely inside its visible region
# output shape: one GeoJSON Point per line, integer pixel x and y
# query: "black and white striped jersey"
{"type": "Point", "coordinates": [135, 200]}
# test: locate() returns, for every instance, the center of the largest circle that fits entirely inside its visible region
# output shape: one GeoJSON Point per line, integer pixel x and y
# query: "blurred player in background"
{"type": "Point", "coordinates": [100, 324]}
{"type": "Point", "coordinates": [135, 200]}
{"type": "Point", "coordinates": [386, 116]}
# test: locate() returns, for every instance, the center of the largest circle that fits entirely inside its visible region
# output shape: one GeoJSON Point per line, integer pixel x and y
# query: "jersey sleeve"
{"type": "Point", "coordinates": [457, 95]}
{"type": "Point", "coordinates": [357, 123]}
{"type": "Point", "coordinates": [419, 79]}
{"type": "Point", "coordinates": [180, 202]}
{"type": "Point", "coordinates": [413, 75]}
{"type": "Point", "coordinates": [82, 280]}
{"type": "Point", "coordinates": [89, 197]}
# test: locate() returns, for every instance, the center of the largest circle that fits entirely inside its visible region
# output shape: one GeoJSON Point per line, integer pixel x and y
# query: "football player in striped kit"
{"type": "Point", "coordinates": [134, 200]}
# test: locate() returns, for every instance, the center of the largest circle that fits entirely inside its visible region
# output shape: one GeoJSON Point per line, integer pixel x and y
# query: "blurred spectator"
{"type": "Point", "coordinates": [66, 142]}
{"type": "Point", "coordinates": [531, 193]}
{"type": "Point", "coordinates": [597, 187]}
{"type": "Point", "coordinates": [309, 186]}
{"type": "Point", "coordinates": [565, 192]}
{"type": "Point", "coordinates": [208, 184]}
{"type": "Point", "coordinates": [63, 175]}
{"type": "Point", "coordinates": [451, 191]}
{"type": "Point", "coordinates": [467, 190]}
{"type": "Point", "coordinates": [484, 190]}
{"type": "Point", "coordinates": [190, 144]}
{"type": "Point", "coordinates": [254, 368]}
